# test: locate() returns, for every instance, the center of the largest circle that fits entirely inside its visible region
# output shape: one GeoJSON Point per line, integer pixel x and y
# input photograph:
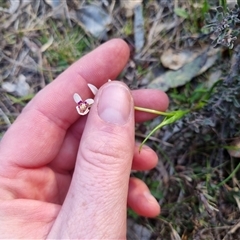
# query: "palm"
{"type": "Point", "coordinates": [46, 185]}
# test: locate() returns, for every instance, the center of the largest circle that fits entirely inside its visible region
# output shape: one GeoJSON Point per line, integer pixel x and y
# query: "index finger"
{"type": "Point", "coordinates": [37, 134]}
{"type": "Point", "coordinates": [104, 63]}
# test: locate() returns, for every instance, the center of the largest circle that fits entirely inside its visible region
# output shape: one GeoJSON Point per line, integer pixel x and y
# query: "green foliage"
{"type": "Point", "coordinates": [195, 100]}
{"type": "Point", "coordinates": [154, 188]}
{"type": "Point", "coordinates": [170, 117]}
{"type": "Point", "coordinates": [205, 7]}
{"type": "Point", "coordinates": [68, 45]}
{"type": "Point", "coordinates": [142, 71]}
{"type": "Point", "coordinates": [223, 4]}
{"type": "Point", "coordinates": [181, 12]}
{"type": "Point", "coordinates": [230, 176]}
{"type": "Point", "coordinates": [21, 100]}
{"type": "Point", "coordinates": [132, 214]}
{"type": "Point", "coordinates": [194, 14]}
{"type": "Point", "coordinates": [190, 97]}
{"type": "Point", "coordinates": [128, 27]}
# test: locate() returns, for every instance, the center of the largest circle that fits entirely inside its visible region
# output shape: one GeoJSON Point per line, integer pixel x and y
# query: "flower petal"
{"type": "Point", "coordinates": [78, 110]}
{"type": "Point", "coordinates": [89, 101]}
{"type": "Point", "coordinates": [93, 88]}
{"type": "Point", "coordinates": [77, 98]}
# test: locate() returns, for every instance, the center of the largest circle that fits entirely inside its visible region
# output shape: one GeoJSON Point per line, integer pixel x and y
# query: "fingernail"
{"type": "Point", "coordinates": [115, 103]}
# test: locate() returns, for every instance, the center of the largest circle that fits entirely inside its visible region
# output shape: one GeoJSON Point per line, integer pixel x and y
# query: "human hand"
{"type": "Point", "coordinates": [67, 176]}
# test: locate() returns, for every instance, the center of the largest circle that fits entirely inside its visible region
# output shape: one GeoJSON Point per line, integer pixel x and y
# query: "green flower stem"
{"type": "Point", "coordinates": [170, 117]}
{"type": "Point", "coordinates": [148, 110]}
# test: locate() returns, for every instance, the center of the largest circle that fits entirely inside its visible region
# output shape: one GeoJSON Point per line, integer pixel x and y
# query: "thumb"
{"type": "Point", "coordinates": [97, 199]}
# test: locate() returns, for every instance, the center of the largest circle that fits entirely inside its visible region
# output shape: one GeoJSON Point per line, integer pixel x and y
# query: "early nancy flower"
{"type": "Point", "coordinates": [83, 107]}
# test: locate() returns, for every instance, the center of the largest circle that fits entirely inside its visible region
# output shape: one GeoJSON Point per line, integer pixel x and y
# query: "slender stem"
{"type": "Point", "coordinates": [230, 176]}
{"type": "Point", "coordinates": [148, 110]}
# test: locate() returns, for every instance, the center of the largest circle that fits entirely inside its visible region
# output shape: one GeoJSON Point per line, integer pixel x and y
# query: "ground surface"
{"type": "Point", "coordinates": [197, 178]}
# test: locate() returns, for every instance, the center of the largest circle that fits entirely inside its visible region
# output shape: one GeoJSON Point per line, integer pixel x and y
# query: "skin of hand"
{"type": "Point", "coordinates": [65, 176]}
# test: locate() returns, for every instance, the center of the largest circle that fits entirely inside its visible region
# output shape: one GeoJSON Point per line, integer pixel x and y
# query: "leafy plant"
{"type": "Point", "coordinates": [200, 8]}
{"type": "Point", "coordinates": [223, 26]}
{"type": "Point", "coordinates": [198, 99]}
{"type": "Point", "coordinates": [170, 117]}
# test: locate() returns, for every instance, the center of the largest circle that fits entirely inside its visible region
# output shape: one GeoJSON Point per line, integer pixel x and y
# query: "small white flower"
{"type": "Point", "coordinates": [83, 107]}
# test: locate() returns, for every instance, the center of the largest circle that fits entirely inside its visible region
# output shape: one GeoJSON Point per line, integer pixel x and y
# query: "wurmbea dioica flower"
{"type": "Point", "coordinates": [83, 107]}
